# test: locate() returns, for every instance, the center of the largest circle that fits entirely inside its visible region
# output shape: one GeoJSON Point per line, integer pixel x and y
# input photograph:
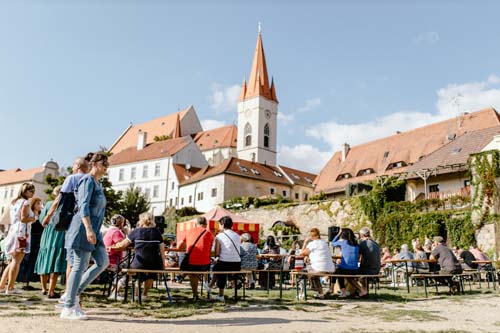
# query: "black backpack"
{"type": "Point", "coordinates": [64, 212]}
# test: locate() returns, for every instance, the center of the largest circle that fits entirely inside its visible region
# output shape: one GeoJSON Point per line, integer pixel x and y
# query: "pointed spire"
{"type": "Point", "coordinates": [243, 90]}
{"type": "Point", "coordinates": [273, 91]}
{"type": "Point", "coordinates": [258, 83]}
{"type": "Point", "coordinates": [177, 129]}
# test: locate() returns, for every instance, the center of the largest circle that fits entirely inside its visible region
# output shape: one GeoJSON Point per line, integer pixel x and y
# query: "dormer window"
{"type": "Point", "coordinates": [365, 172]}
{"type": "Point", "coordinates": [386, 154]}
{"type": "Point", "coordinates": [255, 172]}
{"type": "Point", "coordinates": [344, 176]}
{"type": "Point", "coordinates": [396, 165]}
{"type": "Point", "coordinates": [242, 168]}
{"type": "Point", "coordinates": [277, 174]}
{"type": "Point", "coordinates": [308, 180]}
{"type": "Point", "coordinates": [456, 150]}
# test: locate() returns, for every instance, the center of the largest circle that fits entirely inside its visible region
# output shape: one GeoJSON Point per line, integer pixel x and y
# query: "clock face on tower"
{"type": "Point", "coordinates": [268, 114]}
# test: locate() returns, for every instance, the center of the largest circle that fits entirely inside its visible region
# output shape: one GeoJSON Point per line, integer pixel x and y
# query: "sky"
{"type": "Point", "coordinates": [75, 74]}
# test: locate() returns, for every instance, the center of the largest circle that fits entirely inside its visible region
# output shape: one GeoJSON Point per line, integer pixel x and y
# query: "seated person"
{"type": "Point", "coordinates": [468, 259]}
{"type": "Point", "coordinates": [421, 255]}
{"type": "Point", "coordinates": [448, 263]}
{"type": "Point", "coordinates": [320, 259]}
{"type": "Point", "coordinates": [369, 252]}
{"type": "Point", "coordinates": [115, 234]}
{"type": "Point", "coordinates": [149, 248]}
{"type": "Point", "coordinates": [480, 256]}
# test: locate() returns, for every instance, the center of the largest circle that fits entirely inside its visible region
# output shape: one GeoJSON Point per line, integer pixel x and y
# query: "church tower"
{"type": "Point", "coordinates": [258, 113]}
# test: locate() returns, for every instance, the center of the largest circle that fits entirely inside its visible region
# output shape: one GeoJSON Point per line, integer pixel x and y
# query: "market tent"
{"type": "Point", "coordinates": [240, 225]}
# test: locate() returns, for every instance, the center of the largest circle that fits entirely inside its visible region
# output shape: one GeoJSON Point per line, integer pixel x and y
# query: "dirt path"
{"type": "Point", "coordinates": [470, 313]}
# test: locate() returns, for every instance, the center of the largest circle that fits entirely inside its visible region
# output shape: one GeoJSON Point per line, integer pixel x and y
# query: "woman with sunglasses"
{"type": "Point", "coordinates": [18, 240]}
{"type": "Point", "coordinates": [83, 237]}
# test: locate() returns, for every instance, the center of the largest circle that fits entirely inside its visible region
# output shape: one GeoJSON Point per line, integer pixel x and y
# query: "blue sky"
{"type": "Point", "coordinates": [74, 74]}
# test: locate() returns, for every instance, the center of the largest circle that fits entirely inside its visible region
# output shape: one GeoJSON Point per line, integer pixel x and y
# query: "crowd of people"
{"type": "Point", "coordinates": [52, 251]}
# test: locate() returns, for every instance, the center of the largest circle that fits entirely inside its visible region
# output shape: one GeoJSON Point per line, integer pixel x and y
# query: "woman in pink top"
{"type": "Point", "coordinates": [114, 235]}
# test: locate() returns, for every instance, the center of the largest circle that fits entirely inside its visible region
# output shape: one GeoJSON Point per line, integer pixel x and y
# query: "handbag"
{"type": "Point", "coordinates": [185, 261]}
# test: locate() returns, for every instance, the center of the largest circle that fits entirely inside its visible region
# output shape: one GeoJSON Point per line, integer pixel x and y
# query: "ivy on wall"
{"type": "Point", "coordinates": [484, 170]}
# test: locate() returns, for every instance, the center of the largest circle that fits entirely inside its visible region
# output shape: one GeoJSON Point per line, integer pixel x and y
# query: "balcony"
{"type": "Point", "coordinates": [463, 192]}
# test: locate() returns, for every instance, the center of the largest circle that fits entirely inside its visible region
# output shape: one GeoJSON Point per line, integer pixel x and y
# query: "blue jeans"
{"type": "Point", "coordinates": [80, 277]}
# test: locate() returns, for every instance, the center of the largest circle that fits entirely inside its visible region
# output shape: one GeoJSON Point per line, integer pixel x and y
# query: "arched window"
{"type": "Point", "coordinates": [248, 135]}
{"type": "Point", "coordinates": [266, 136]}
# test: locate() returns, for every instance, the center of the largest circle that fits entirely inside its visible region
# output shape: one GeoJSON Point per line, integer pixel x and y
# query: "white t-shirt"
{"type": "Point", "coordinates": [320, 256]}
{"type": "Point", "coordinates": [228, 251]}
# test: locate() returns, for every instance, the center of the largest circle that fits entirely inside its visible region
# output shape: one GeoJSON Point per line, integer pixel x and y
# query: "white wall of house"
{"type": "Point", "coordinates": [447, 184]}
{"type": "Point", "coordinates": [494, 144]}
{"type": "Point", "coordinates": [218, 155]}
{"type": "Point", "coordinates": [203, 195]}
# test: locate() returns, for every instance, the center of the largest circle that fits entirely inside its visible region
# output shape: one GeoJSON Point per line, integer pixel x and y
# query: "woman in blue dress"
{"type": "Point", "coordinates": [83, 237]}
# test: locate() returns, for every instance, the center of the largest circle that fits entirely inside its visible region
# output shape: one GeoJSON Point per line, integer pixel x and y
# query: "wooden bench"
{"type": "Point", "coordinates": [163, 272]}
{"type": "Point", "coordinates": [370, 278]}
{"type": "Point", "coordinates": [426, 276]}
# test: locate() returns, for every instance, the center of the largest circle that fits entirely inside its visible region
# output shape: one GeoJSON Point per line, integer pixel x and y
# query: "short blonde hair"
{"type": "Point", "coordinates": [146, 220]}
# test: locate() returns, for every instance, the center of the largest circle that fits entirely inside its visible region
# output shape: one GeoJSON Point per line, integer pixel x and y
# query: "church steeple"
{"type": "Point", "coordinates": [258, 83]}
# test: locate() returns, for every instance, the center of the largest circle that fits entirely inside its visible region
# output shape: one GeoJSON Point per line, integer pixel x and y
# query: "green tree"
{"type": "Point", "coordinates": [133, 203]}
{"type": "Point", "coordinates": [113, 198]}
{"type": "Point", "coordinates": [53, 182]}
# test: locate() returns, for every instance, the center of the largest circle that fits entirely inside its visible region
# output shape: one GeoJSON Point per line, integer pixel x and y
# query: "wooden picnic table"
{"type": "Point", "coordinates": [406, 261]}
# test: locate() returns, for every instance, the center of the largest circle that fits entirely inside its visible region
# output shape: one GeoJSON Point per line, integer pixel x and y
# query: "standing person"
{"type": "Point", "coordinates": [320, 259]}
{"type": "Point", "coordinates": [83, 237]}
{"type": "Point", "coordinates": [369, 252]}
{"type": "Point", "coordinates": [227, 254]}
{"type": "Point", "coordinates": [350, 256]}
{"type": "Point", "coordinates": [56, 239]}
{"type": "Point", "coordinates": [198, 243]}
{"type": "Point", "coordinates": [51, 260]}
{"type": "Point", "coordinates": [28, 265]}
{"type": "Point", "coordinates": [149, 250]}
{"type": "Point", "coordinates": [18, 240]}
{"type": "Point", "coordinates": [249, 260]}
{"type": "Point", "coordinates": [448, 263]}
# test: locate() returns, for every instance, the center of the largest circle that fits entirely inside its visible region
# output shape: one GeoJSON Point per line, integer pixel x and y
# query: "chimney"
{"type": "Point", "coordinates": [345, 150]}
{"type": "Point", "coordinates": [253, 157]}
{"type": "Point", "coordinates": [141, 140]}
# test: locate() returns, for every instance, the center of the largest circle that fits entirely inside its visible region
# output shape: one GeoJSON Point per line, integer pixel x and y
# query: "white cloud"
{"type": "Point", "coordinates": [224, 98]}
{"type": "Point", "coordinates": [427, 38]}
{"type": "Point", "coordinates": [303, 157]}
{"type": "Point", "coordinates": [285, 119]}
{"type": "Point", "coordinates": [452, 100]}
{"type": "Point", "coordinates": [310, 105]}
{"type": "Point", "coordinates": [208, 124]}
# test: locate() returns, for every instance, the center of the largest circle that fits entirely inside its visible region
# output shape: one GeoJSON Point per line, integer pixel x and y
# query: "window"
{"type": "Point", "coordinates": [309, 180]}
{"type": "Point", "coordinates": [5, 193]}
{"type": "Point", "coordinates": [277, 174]}
{"type": "Point", "coordinates": [170, 204]}
{"type": "Point", "coordinates": [386, 154]}
{"type": "Point", "coordinates": [284, 193]}
{"type": "Point", "coordinates": [176, 201]}
{"type": "Point", "coordinates": [242, 168]}
{"type": "Point", "coordinates": [157, 169]}
{"type": "Point", "coordinates": [343, 176]}
{"type": "Point", "coordinates": [121, 174]}
{"type": "Point", "coordinates": [271, 190]}
{"type": "Point", "coordinates": [145, 171]}
{"type": "Point", "coordinates": [266, 136]}
{"type": "Point", "coordinates": [306, 196]}
{"type": "Point", "coordinates": [156, 189]}
{"type": "Point", "coordinates": [200, 196]}
{"type": "Point", "coordinates": [2, 210]}
{"type": "Point", "coordinates": [214, 192]}
{"type": "Point", "coordinates": [132, 173]}
{"type": "Point", "coordinates": [147, 192]}
{"type": "Point", "coordinates": [466, 182]}
{"type": "Point", "coordinates": [11, 192]}
{"type": "Point", "coordinates": [182, 201]}
{"type": "Point", "coordinates": [255, 172]}
{"type": "Point", "coordinates": [139, 188]}
{"type": "Point", "coordinates": [190, 199]}
{"type": "Point", "coordinates": [297, 196]}
{"type": "Point", "coordinates": [434, 188]}
{"type": "Point", "coordinates": [172, 187]}
{"type": "Point", "coordinates": [248, 135]}
{"type": "Point", "coordinates": [456, 150]}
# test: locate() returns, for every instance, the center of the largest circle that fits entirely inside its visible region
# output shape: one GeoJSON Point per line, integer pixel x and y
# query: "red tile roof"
{"type": "Point", "coordinates": [242, 168]}
{"type": "Point", "coordinates": [453, 156]}
{"type": "Point", "coordinates": [222, 137]}
{"type": "Point", "coordinates": [165, 125]}
{"type": "Point", "coordinates": [299, 177]}
{"type": "Point", "coordinates": [151, 151]}
{"type": "Point", "coordinates": [184, 174]}
{"type": "Point", "coordinates": [407, 147]}
{"type": "Point", "coordinates": [14, 176]}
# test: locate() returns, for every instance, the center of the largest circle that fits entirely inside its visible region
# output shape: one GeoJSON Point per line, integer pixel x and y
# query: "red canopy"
{"type": "Point", "coordinates": [240, 225]}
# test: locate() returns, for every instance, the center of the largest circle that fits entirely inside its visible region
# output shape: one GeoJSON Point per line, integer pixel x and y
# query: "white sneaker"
{"type": "Point", "coordinates": [13, 291]}
{"type": "Point", "coordinates": [60, 305]}
{"type": "Point", "coordinates": [219, 298]}
{"type": "Point", "coordinates": [62, 299]}
{"type": "Point", "coordinates": [74, 313]}
{"type": "Point", "coordinates": [207, 287]}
